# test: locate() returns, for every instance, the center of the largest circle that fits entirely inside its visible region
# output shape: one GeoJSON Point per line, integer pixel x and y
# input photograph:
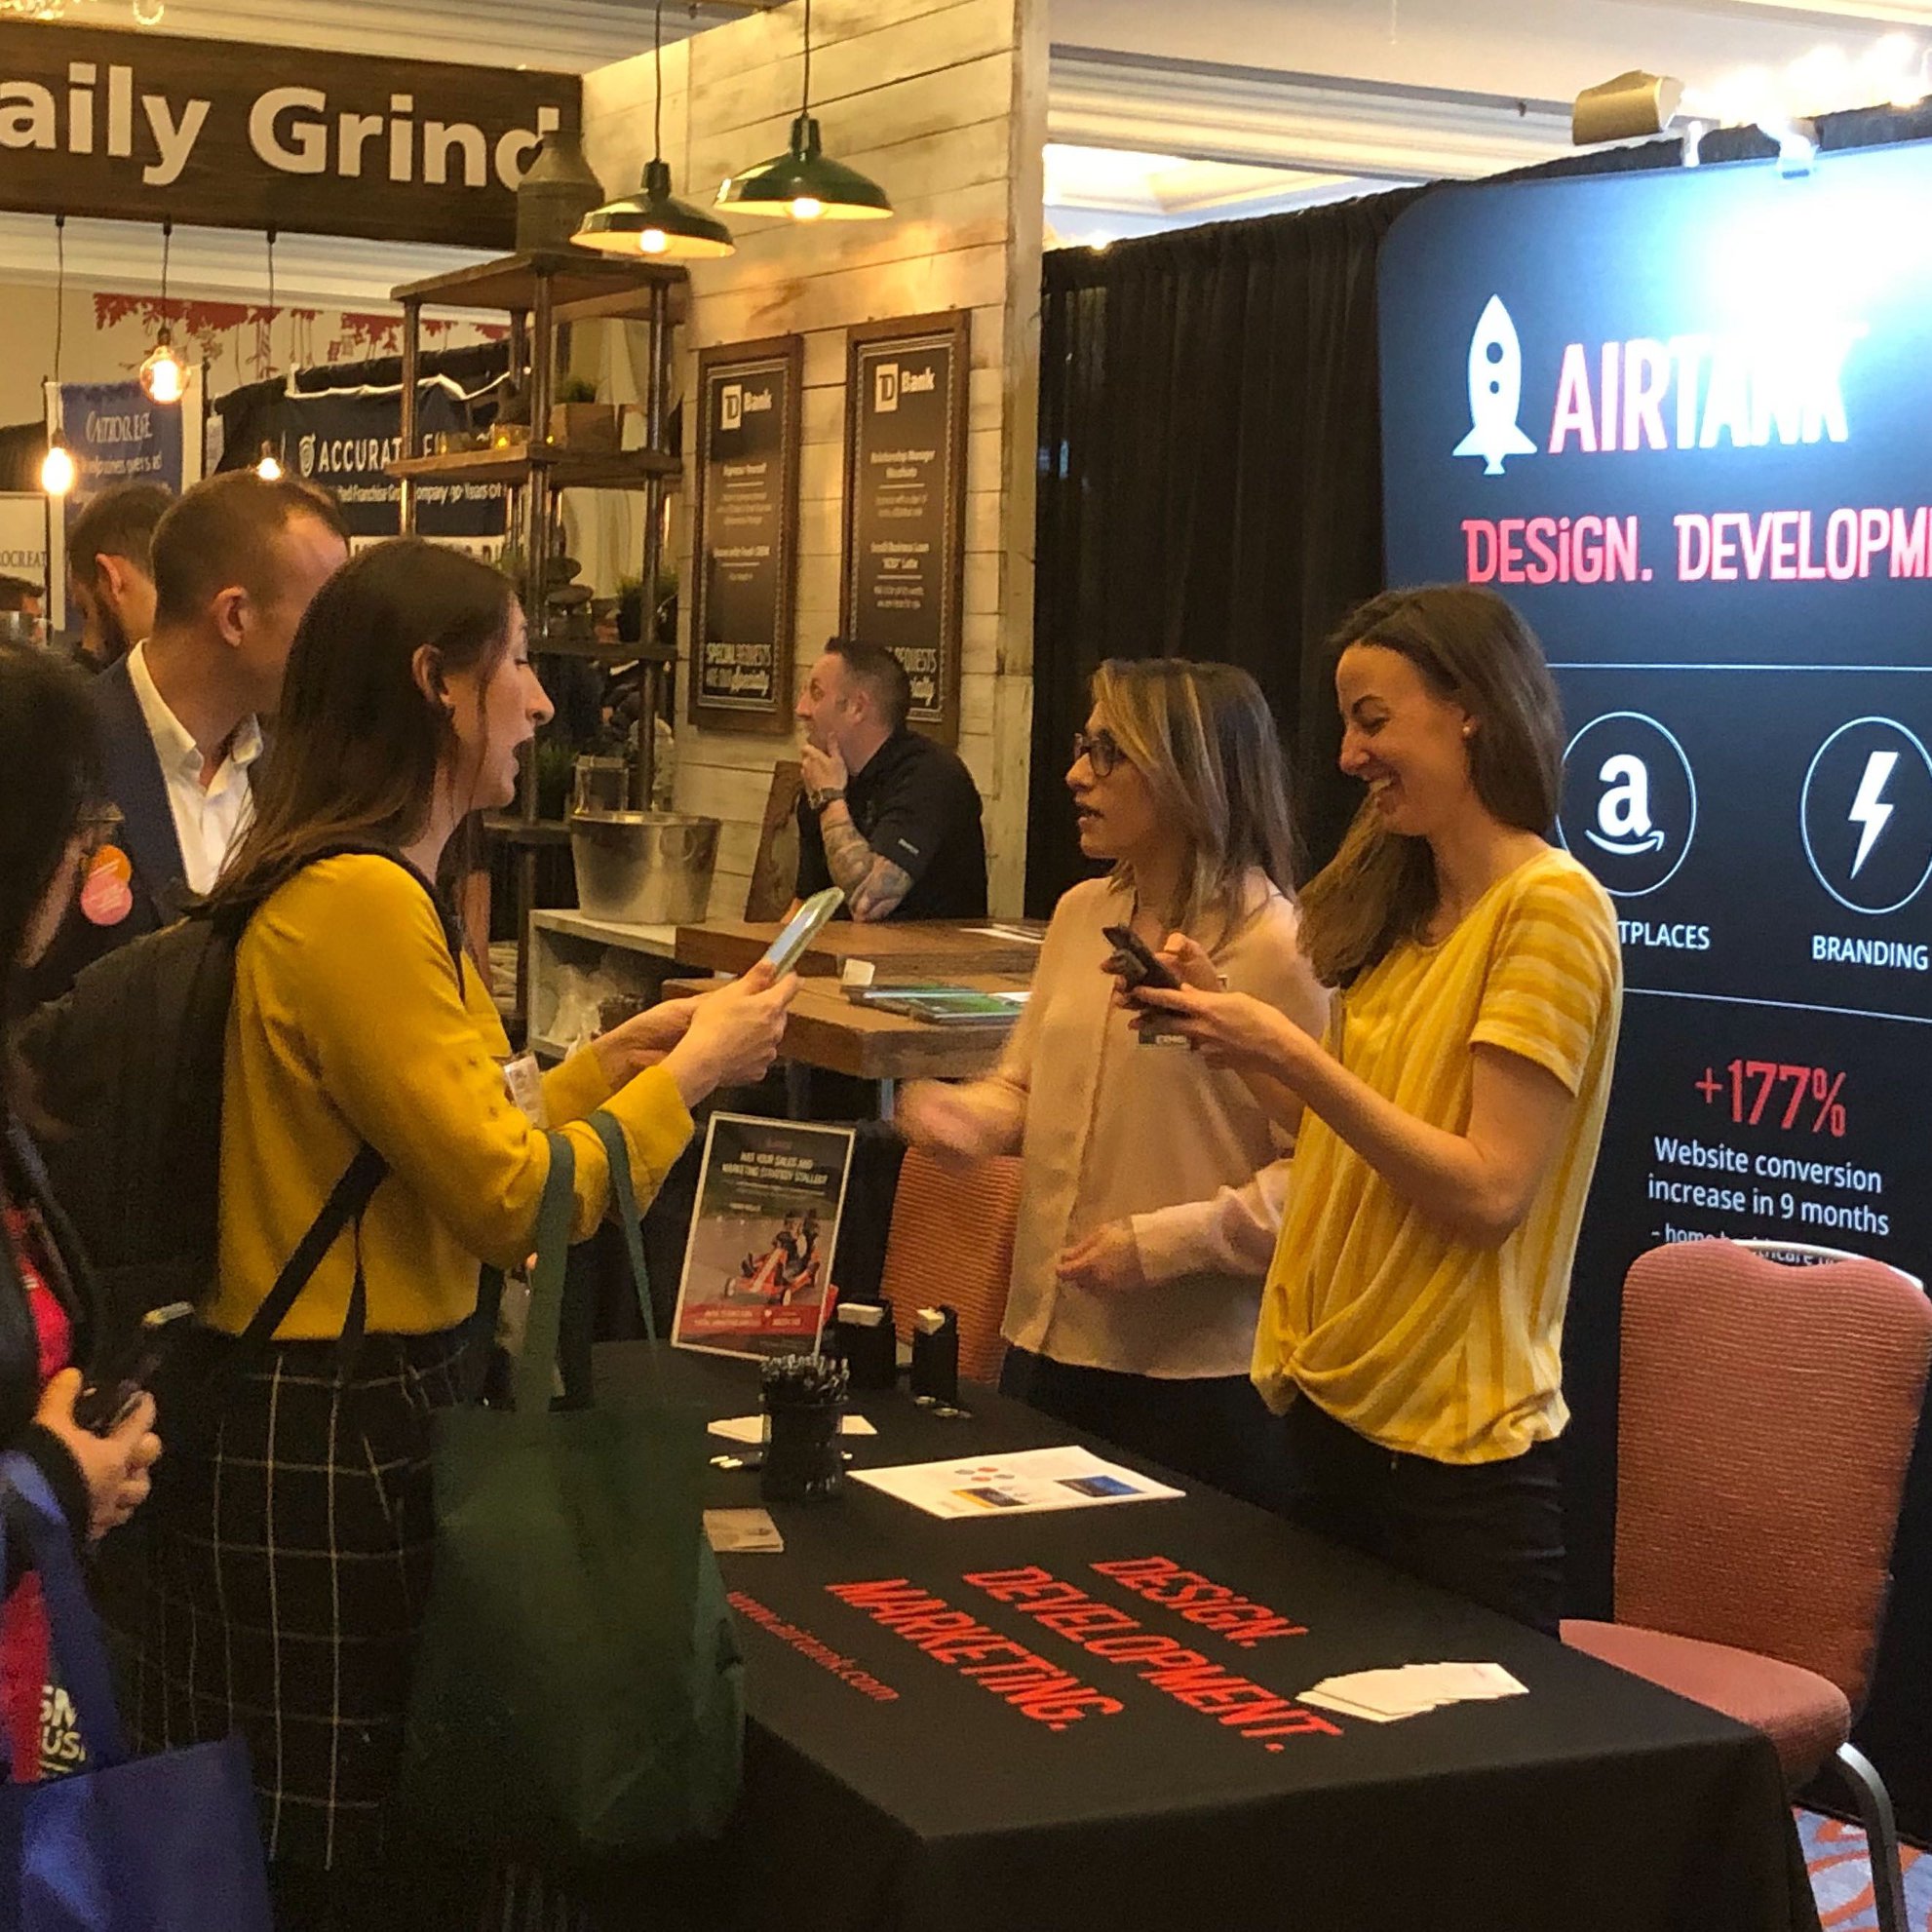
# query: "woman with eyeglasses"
{"type": "Point", "coordinates": [1151, 1179]}
{"type": "Point", "coordinates": [48, 829]}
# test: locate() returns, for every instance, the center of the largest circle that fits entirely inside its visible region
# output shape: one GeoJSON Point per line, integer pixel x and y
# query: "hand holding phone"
{"type": "Point", "coordinates": [802, 928]}
{"type": "Point", "coordinates": [133, 1369]}
{"type": "Point", "coordinates": [1136, 962]}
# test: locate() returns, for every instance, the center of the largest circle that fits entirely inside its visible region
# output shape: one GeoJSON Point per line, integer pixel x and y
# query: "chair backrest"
{"type": "Point", "coordinates": [951, 1241]}
{"type": "Point", "coordinates": [1764, 1425]}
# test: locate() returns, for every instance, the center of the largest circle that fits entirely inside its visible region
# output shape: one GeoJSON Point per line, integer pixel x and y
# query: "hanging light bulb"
{"type": "Point", "coordinates": [269, 467]}
{"type": "Point", "coordinates": [804, 182]}
{"type": "Point", "coordinates": [164, 375]}
{"type": "Point", "coordinates": [57, 467]}
{"type": "Point", "coordinates": [654, 222]}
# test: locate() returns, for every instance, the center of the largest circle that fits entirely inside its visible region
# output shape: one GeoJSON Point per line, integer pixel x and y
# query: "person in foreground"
{"type": "Point", "coordinates": [48, 825]}
{"type": "Point", "coordinates": [1412, 1327]}
{"type": "Point", "coordinates": [1126, 1315]}
{"type": "Point", "coordinates": [292, 1561]}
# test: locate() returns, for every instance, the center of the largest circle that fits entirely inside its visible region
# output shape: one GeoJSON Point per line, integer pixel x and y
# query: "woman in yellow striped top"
{"type": "Point", "coordinates": [1412, 1327]}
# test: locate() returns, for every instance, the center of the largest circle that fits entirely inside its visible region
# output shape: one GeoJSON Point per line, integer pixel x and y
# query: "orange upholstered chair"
{"type": "Point", "coordinates": [1764, 1425]}
{"type": "Point", "coordinates": [951, 1241]}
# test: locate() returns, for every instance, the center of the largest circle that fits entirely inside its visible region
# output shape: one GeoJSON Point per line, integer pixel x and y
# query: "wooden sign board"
{"type": "Point", "coordinates": [221, 135]}
{"type": "Point", "coordinates": [906, 503]}
{"type": "Point", "coordinates": [744, 530]}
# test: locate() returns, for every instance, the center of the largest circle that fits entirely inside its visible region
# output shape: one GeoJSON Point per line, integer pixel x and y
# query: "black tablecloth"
{"type": "Point", "coordinates": [886, 1787]}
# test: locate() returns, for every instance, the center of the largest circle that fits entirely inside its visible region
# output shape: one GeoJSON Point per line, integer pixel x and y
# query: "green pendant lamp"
{"type": "Point", "coordinates": [803, 183]}
{"type": "Point", "coordinates": [653, 221]}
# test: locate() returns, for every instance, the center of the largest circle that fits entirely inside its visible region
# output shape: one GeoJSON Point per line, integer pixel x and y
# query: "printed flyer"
{"type": "Point", "coordinates": [757, 1268]}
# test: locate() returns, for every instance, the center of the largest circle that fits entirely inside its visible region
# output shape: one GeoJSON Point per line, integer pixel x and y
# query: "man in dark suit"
{"type": "Point", "coordinates": [237, 561]}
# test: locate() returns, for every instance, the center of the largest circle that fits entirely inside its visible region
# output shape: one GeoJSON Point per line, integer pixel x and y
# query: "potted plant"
{"type": "Point", "coordinates": [579, 422]}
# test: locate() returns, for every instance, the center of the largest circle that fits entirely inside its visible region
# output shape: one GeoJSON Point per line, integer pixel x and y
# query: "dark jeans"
{"type": "Point", "coordinates": [1214, 1428]}
{"type": "Point", "coordinates": [1492, 1531]}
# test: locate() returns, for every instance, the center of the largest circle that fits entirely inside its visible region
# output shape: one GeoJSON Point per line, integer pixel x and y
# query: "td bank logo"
{"type": "Point", "coordinates": [731, 405]}
{"type": "Point", "coordinates": [1629, 802]}
{"type": "Point", "coordinates": [885, 388]}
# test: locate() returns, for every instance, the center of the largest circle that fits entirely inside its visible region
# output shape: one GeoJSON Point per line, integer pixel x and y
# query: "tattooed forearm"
{"type": "Point", "coordinates": [872, 886]}
{"type": "Point", "coordinates": [847, 856]}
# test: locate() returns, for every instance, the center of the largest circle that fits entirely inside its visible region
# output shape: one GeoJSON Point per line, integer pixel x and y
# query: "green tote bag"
{"type": "Point", "coordinates": [578, 1692]}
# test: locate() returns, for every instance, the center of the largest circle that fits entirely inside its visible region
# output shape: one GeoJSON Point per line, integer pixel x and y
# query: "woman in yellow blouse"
{"type": "Point", "coordinates": [1412, 1327]}
{"type": "Point", "coordinates": [292, 1564]}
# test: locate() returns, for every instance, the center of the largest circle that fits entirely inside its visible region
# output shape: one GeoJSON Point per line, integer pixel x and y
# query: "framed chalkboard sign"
{"type": "Point", "coordinates": [905, 565]}
{"type": "Point", "coordinates": [745, 546]}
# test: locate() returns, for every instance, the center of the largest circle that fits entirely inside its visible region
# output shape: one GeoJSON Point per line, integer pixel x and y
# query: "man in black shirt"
{"type": "Point", "coordinates": [887, 814]}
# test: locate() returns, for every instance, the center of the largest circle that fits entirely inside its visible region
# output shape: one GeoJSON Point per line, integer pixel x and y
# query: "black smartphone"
{"type": "Point", "coordinates": [1138, 964]}
{"type": "Point", "coordinates": [135, 1367]}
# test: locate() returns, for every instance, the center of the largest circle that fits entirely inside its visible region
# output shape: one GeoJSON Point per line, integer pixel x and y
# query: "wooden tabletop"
{"type": "Point", "coordinates": [824, 1028]}
{"type": "Point", "coordinates": [901, 948]}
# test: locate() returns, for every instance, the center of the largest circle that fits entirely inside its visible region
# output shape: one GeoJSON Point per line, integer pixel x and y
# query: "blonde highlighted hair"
{"type": "Point", "coordinates": [1473, 648]}
{"type": "Point", "coordinates": [1204, 738]}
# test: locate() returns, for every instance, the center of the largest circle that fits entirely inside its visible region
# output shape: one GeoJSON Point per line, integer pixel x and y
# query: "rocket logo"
{"type": "Point", "coordinates": [1496, 392]}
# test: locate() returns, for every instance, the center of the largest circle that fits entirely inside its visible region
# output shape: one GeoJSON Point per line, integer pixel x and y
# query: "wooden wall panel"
{"type": "Point", "coordinates": [944, 102]}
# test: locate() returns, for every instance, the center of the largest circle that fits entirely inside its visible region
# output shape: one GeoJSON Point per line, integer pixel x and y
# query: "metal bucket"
{"type": "Point", "coordinates": [643, 869]}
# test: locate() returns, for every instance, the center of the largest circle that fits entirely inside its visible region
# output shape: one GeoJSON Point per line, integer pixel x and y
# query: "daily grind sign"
{"type": "Point", "coordinates": [218, 134]}
{"type": "Point", "coordinates": [1681, 421]}
{"type": "Point", "coordinates": [906, 502]}
{"type": "Point", "coordinates": [746, 528]}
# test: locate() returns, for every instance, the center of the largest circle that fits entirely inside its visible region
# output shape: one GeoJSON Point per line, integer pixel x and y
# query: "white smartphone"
{"type": "Point", "coordinates": [802, 928]}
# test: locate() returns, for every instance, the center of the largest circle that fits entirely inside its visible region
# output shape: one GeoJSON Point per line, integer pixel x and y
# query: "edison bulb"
{"type": "Point", "coordinates": [807, 208]}
{"type": "Point", "coordinates": [57, 470]}
{"type": "Point", "coordinates": [653, 242]}
{"type": "Point", "coordinates": [163, 375]}
{"type": "Point", "coordinates": [269, 468]}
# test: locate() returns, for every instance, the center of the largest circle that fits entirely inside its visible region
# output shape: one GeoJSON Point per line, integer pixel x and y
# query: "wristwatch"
{"type": "Point", "coordinates": [823, 796]}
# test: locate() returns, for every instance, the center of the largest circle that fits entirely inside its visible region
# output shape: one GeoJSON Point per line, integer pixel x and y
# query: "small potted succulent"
{"type": "Point", "coordinates": [579, 422]}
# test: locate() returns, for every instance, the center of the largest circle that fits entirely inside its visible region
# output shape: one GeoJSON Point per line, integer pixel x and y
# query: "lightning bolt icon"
{"type": "Point", "coordinates": [1868, 811]}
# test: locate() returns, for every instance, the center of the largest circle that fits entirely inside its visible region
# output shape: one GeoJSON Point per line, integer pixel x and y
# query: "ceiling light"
{"type": "Point", "coordinates": [1631, 105]}
{"type": "Point", "coordinates": [57, 467]}
{"type": "Point", "coordinates": [804, 182]}
{"type": "Point", "coordinates": [653, 221]}
{"type": "Point", "coordinates": [164, 375]}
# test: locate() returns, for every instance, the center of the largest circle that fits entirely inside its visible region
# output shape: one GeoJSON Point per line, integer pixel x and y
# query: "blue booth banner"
{"type": "Point", "coordinates": [1683, 420]}
{"type": "Point", "coordinates": [117, 434]}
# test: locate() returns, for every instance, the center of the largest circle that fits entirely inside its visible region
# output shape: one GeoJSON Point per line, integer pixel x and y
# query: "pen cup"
{"type": "Point", "coordinates": [803, 1399]}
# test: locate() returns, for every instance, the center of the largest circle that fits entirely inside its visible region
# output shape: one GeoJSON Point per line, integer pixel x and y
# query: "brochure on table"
{"type": "Point", "coordinates": [1023, 1483]}
{"type": "Point", "coordinates": [757, 1267]}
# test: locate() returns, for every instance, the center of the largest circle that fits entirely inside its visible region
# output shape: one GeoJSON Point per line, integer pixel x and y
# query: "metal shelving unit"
{"type": "Point", "coordinates": [543, 293]}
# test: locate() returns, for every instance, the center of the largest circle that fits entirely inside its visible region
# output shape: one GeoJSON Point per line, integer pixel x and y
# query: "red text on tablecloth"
{"type": "Point", "coordinates": [846, 1669]}
{"type": "Point", "coordinates": [1033, 1687]}
{"type": "Point", "coordinates": [1251, 1709]}
{"type": "Point", "coordinates": [1198, 1599]}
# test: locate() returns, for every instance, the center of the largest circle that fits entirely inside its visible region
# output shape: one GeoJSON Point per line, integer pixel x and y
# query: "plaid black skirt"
{"type": "Point", "coordinates": [286, 1578]}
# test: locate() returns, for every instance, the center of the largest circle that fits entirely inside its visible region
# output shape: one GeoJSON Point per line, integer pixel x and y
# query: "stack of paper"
{"type": "Point", "coordinates": [1382, 1696]}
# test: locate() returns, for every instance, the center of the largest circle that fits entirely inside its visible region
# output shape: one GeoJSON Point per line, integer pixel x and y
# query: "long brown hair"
{"type": "Point", "coordinates": [1472, 647]}
{"type": "Point", "coordinates": [1203, 737]}
{"type": "Point", "coordinates": [358, 742]}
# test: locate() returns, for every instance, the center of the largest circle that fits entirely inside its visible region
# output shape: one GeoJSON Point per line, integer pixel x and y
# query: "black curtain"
{"type": "Point", "coordinates": [1210, 479]}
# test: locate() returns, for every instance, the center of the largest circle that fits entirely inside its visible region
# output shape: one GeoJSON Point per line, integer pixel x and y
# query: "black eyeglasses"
{"type": "Point", "coordinates": [1099, 750]}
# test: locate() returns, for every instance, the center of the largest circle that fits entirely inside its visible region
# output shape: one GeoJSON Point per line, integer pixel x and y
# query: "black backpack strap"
{"type": "Point", "coordinates": [346, 1203]}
